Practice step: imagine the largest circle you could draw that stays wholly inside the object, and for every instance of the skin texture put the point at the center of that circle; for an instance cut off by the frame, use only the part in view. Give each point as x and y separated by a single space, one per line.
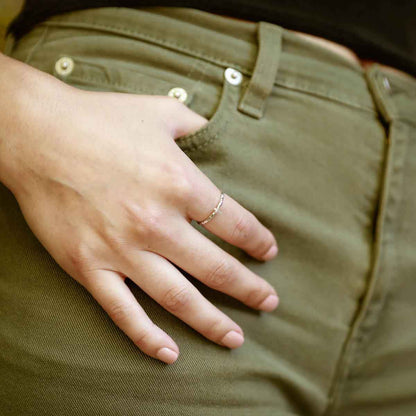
110 195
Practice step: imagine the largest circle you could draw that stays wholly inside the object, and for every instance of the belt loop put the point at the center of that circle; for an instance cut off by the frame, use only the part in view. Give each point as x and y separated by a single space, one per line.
260 85
380 88
394 93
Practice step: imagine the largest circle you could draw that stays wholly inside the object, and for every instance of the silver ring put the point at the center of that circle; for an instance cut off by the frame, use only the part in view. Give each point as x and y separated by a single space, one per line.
214 211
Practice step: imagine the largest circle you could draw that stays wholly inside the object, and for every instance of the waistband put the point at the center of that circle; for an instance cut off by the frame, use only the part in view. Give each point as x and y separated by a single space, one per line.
268 54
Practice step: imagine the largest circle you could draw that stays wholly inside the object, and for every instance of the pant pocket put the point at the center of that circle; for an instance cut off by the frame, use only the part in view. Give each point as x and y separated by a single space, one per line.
110 62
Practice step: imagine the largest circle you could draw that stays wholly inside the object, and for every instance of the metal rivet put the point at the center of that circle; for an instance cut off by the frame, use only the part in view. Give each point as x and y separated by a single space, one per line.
179 93
386 84
64 66
233 76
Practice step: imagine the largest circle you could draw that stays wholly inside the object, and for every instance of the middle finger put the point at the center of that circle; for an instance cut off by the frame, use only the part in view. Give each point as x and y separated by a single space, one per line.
206 261
172 290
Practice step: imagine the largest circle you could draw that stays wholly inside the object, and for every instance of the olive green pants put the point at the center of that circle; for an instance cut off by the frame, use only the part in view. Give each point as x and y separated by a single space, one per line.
321 151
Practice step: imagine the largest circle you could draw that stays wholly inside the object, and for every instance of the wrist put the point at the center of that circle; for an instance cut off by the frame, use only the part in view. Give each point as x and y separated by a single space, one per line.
28 99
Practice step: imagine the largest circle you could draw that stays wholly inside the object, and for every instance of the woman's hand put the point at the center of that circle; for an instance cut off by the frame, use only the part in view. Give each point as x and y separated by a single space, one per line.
107 191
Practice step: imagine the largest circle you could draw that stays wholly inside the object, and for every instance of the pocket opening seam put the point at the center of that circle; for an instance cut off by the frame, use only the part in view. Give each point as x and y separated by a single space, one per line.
188 142
217 123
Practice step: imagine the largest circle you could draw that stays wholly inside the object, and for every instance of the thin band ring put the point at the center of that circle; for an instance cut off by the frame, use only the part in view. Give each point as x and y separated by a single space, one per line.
214 211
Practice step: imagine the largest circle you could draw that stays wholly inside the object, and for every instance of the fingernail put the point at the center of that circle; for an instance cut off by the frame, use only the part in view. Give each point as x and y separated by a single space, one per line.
167 355
271 253
269 303
233 339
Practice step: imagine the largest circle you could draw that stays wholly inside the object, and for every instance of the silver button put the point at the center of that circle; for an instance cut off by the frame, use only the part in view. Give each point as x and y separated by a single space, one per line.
64 66
233 76
179 93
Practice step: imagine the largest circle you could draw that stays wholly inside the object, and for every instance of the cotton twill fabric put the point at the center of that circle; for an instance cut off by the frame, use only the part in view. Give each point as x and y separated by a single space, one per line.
327 162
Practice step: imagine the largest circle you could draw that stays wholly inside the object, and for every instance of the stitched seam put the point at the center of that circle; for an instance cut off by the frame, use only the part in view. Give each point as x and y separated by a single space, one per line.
339 98
174 45
187 141
198 84
379 246
36 46
393 201
195 53
220 129
399 189
220 125
99 83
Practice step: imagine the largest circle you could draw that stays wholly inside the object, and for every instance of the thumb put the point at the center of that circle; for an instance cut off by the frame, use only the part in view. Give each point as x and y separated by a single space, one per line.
185 121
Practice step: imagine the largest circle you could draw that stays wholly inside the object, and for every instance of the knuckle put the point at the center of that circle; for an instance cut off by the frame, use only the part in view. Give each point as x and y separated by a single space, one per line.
143 338
179 107
242 228
132 211
171 107
262 248
121 312
183 187
256 296
173 102
178 182
214 330
153 223
148 223
157 231
79 257
176 299
163 104
221 274
117 242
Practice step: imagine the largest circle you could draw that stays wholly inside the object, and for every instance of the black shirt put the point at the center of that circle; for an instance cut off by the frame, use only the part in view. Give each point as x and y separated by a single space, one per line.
381 30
